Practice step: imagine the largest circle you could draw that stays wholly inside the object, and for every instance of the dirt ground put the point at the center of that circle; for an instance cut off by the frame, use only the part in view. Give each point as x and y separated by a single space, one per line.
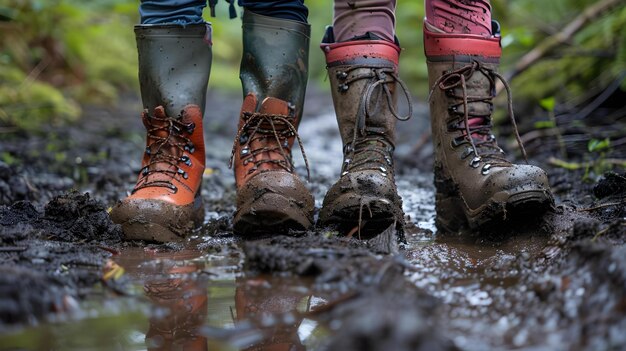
69 282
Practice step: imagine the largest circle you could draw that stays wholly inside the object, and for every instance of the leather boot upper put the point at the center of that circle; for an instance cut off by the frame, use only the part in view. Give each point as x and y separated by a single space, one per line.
165 203
469 165
364 85
274 72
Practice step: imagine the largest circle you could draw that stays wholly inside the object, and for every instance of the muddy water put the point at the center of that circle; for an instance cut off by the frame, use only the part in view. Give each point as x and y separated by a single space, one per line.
187 299
197 297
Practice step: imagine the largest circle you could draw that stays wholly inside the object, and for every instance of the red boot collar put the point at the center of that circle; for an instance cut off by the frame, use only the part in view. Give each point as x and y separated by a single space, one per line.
446 44
348 51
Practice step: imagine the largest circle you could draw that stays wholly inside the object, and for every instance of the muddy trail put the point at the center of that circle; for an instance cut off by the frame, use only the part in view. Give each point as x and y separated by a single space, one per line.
69 282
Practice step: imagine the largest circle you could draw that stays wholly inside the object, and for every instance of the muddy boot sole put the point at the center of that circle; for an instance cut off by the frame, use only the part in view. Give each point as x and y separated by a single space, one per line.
158 221
271 214
503 208
363 219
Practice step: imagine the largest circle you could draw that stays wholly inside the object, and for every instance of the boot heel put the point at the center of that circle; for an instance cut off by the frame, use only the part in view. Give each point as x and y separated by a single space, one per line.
450 215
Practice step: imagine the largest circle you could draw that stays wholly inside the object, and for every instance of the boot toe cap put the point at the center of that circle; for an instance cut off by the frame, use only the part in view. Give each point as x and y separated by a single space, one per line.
273 201
156 220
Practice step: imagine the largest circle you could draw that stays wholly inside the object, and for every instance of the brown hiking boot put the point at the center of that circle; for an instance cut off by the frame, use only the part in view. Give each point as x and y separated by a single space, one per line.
174 66
165 204
475 183
363 76
274 68
270 196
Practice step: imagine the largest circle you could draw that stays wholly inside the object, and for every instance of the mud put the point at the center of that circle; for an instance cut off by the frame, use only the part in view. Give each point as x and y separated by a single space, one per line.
67 281
51 258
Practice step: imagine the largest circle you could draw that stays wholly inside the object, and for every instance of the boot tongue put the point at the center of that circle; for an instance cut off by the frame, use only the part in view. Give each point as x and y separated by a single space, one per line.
477 121
158 120
159 126
274 106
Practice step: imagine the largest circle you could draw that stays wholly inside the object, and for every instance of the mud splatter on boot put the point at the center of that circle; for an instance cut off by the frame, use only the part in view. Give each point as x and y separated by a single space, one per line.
174 68
364 77
271 198
165 204
476 184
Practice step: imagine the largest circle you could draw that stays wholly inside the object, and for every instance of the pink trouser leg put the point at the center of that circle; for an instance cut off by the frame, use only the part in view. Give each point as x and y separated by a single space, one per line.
459 16
355 18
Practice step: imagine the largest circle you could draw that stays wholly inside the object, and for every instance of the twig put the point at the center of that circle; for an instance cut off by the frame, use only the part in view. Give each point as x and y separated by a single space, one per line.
580 165
421 141
13 249
563 36
600 233
608 204
109 249
600 99
331 304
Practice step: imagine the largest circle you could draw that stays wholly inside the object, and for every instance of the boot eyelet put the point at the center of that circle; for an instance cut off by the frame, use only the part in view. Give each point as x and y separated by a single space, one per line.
286 144
183 173
344 173
475 162
245 151
144 171
452 126
389 160
343 88
185 159
148 150
174 188
191 127
468 151
243 138
190 147
382 169
485 169
342 75
458 141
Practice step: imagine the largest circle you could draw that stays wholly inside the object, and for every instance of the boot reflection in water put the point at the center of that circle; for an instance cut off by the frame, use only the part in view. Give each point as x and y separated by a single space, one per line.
185 301
476 184
255 303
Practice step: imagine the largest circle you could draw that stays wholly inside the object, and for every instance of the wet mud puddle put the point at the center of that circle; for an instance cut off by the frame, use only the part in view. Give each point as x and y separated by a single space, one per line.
184 299
198 298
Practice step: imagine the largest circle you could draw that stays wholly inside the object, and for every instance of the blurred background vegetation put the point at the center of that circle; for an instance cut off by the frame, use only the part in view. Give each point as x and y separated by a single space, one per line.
58 55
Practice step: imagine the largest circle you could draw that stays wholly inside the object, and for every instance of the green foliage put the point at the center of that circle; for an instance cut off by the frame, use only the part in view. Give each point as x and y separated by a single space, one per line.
594 56
27 103
597 153
59 53
548 103
56 54
596 145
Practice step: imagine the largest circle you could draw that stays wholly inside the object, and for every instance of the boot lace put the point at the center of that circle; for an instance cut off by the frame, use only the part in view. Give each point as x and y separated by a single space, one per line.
482 142
255 129
164 153
370 149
